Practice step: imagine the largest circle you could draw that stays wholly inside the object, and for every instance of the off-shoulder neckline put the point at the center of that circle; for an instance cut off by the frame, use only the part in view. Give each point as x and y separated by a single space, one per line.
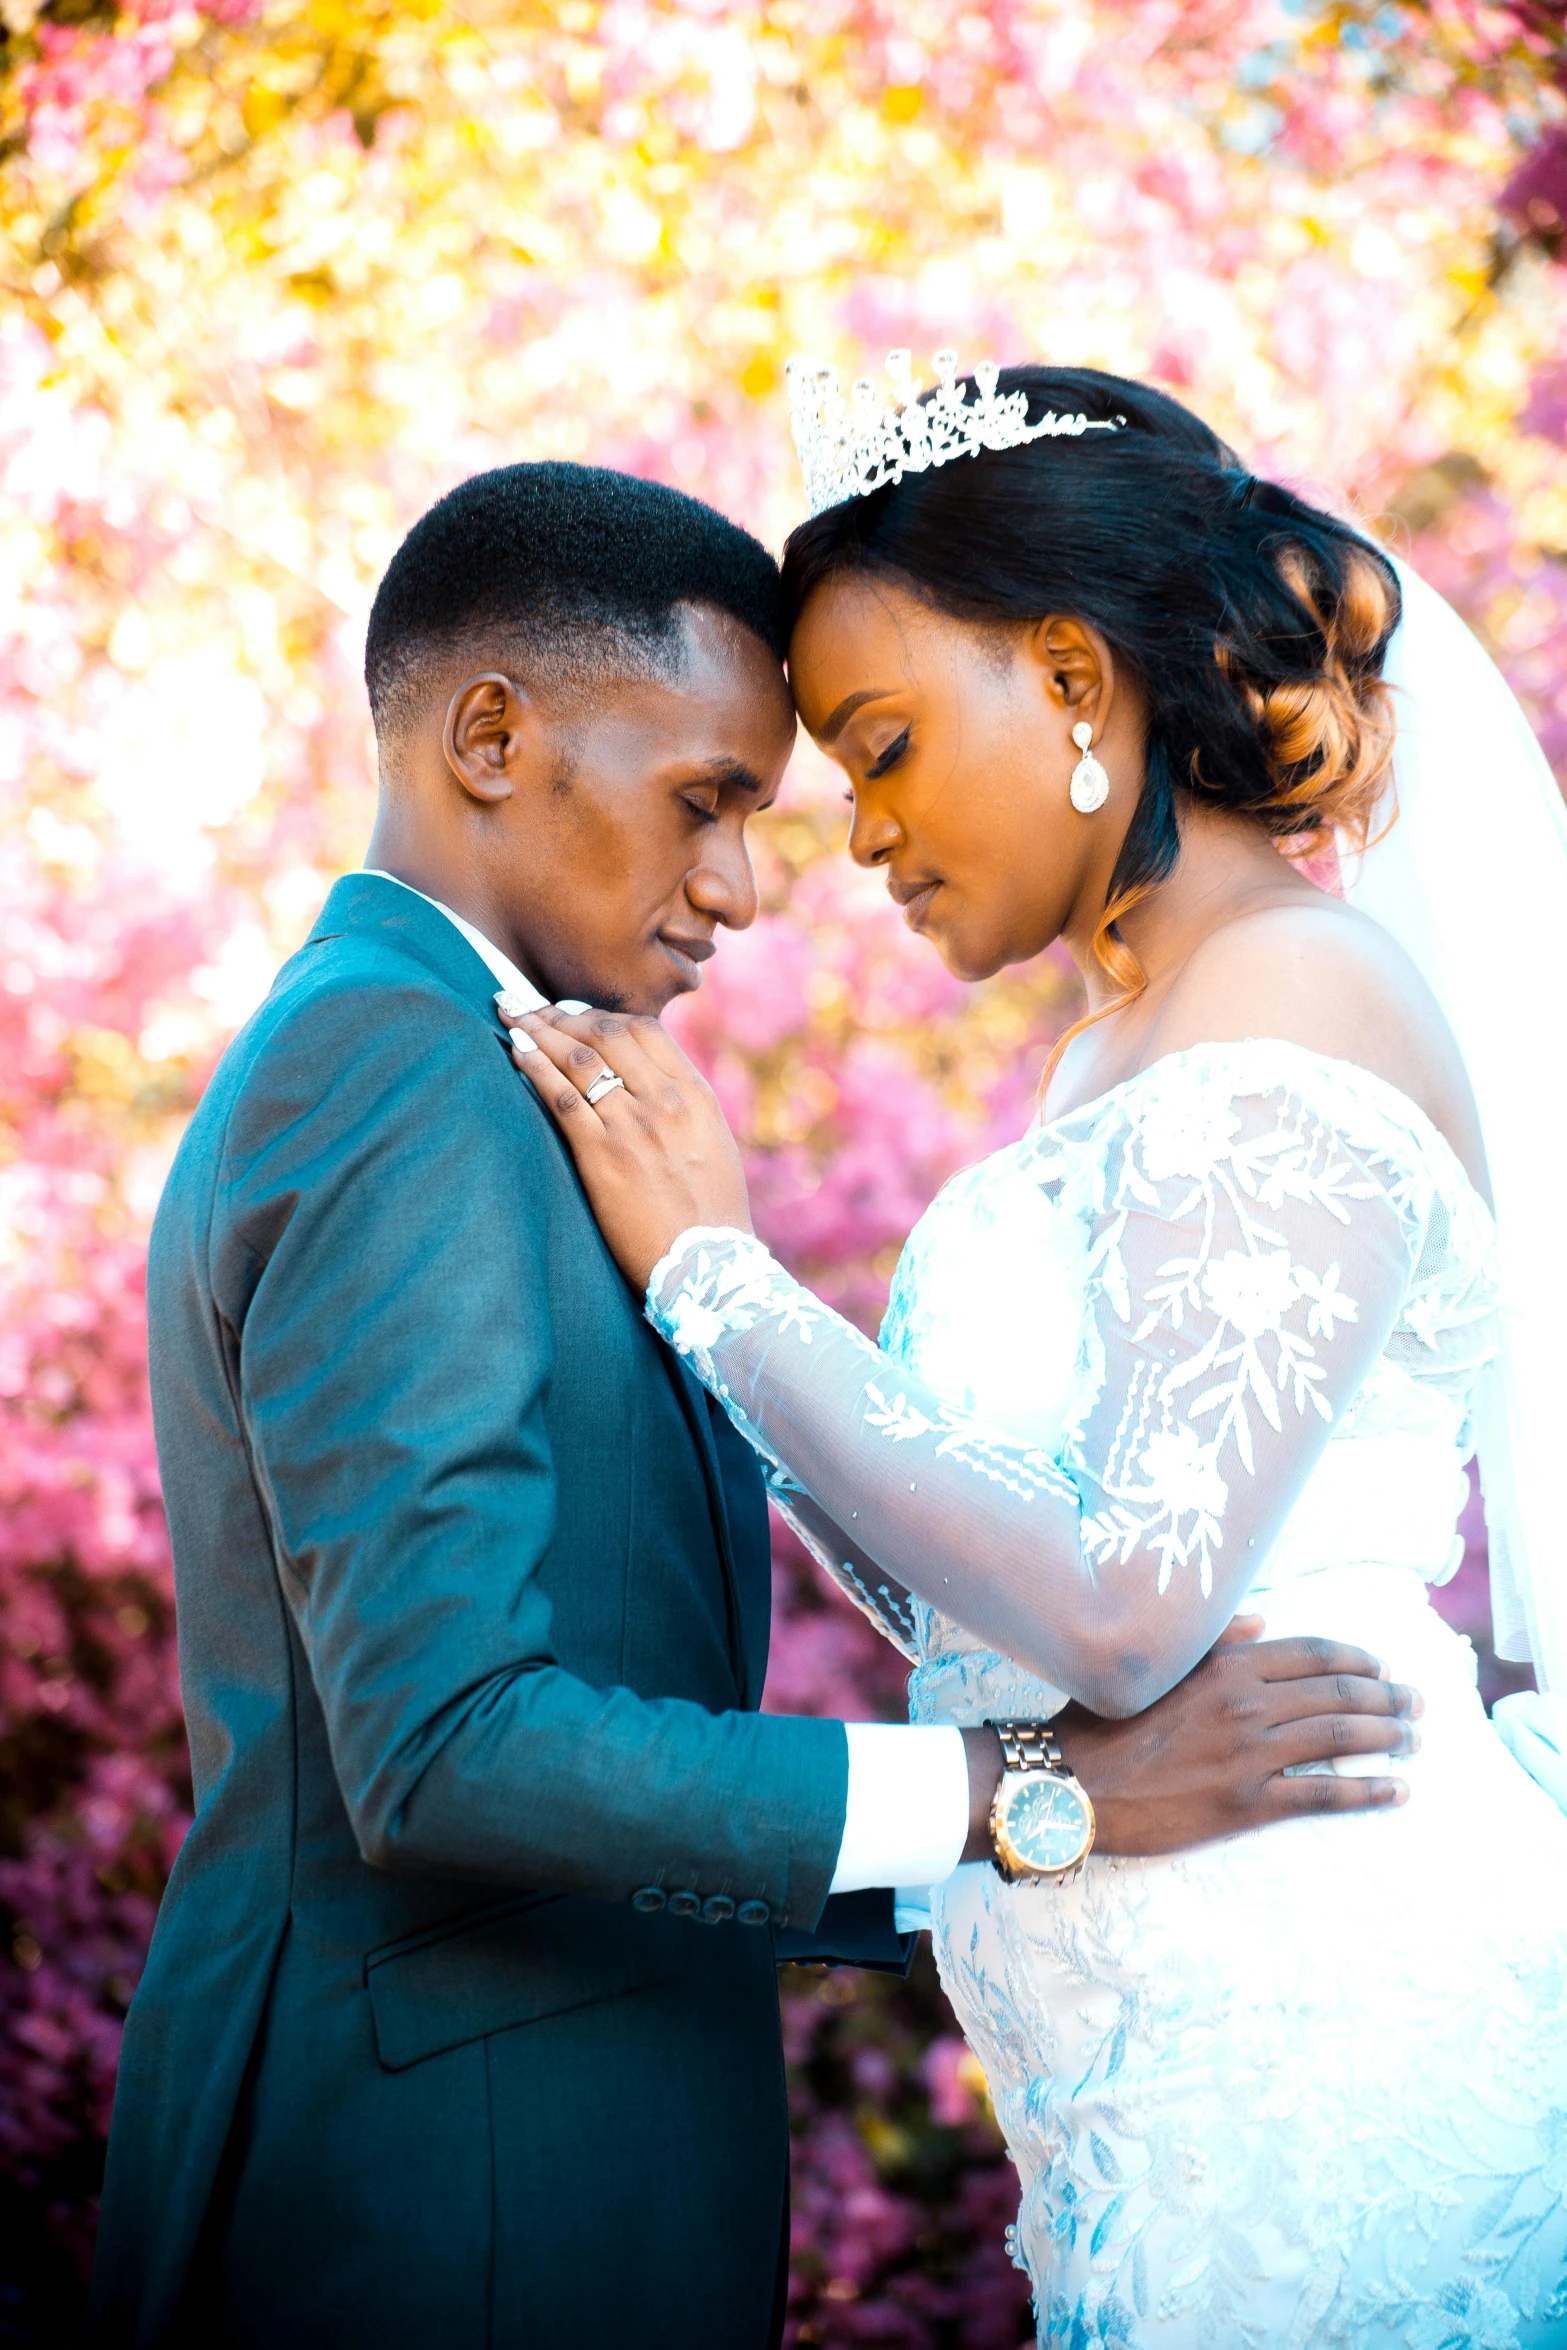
1410 1114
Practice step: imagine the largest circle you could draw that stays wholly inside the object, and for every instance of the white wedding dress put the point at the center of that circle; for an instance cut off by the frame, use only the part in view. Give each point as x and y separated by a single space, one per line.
1213 1339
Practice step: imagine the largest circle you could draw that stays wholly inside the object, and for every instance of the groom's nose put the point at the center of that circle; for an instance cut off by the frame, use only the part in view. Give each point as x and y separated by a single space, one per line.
723 885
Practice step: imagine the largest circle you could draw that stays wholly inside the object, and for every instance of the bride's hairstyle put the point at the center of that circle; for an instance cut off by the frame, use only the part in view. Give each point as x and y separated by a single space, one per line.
1254 623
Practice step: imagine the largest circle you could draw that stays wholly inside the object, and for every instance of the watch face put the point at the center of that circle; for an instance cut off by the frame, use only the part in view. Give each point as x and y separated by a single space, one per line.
1046 1821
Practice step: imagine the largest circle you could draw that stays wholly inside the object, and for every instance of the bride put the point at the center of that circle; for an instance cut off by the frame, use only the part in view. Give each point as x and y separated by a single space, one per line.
1221 1329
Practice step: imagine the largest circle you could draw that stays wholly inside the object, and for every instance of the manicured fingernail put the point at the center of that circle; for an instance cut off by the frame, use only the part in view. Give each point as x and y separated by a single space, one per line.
522 1042
1417 1704
1383 1674
509 1006
569 1003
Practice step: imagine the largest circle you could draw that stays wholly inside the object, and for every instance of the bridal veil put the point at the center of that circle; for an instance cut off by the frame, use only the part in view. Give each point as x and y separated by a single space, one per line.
1471 879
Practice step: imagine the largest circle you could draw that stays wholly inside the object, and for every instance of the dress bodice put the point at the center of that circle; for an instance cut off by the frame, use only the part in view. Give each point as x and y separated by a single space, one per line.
1218 1328
991 1309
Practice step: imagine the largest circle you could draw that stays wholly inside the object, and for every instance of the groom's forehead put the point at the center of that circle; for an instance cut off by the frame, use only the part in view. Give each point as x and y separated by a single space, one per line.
719 683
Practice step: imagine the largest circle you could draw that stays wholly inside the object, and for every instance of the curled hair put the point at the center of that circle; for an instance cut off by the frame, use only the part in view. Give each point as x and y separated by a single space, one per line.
1255 624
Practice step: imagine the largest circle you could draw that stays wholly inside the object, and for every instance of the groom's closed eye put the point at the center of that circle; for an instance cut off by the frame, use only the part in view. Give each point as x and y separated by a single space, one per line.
705 798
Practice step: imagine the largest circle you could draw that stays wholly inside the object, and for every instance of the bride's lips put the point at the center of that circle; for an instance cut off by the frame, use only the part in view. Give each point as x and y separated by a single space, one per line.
688 955
914 898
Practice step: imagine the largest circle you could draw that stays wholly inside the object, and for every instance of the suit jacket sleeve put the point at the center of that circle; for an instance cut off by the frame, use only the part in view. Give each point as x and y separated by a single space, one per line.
854 1929
381 1277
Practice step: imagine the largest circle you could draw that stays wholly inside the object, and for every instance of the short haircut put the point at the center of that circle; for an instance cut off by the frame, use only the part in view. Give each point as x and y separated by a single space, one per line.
570 573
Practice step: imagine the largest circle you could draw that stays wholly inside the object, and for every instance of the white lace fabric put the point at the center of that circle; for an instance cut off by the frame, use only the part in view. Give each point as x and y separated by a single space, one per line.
1216 1338
1250 1243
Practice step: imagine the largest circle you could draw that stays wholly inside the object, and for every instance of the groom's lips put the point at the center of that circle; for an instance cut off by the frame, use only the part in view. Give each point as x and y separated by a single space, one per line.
688 954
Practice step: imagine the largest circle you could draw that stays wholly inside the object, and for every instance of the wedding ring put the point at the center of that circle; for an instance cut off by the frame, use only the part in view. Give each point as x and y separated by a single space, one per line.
605 1082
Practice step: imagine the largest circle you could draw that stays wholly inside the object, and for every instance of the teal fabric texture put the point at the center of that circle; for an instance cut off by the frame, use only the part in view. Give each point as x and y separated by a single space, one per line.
459 2023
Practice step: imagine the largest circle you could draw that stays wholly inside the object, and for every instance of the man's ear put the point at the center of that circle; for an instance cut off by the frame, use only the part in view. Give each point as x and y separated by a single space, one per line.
1078 667
488 722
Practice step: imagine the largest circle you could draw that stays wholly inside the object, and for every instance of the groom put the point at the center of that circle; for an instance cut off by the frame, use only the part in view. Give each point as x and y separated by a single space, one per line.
459 2026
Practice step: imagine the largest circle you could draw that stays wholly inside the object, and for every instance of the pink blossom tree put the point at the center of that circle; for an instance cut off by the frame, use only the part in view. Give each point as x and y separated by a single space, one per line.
277 278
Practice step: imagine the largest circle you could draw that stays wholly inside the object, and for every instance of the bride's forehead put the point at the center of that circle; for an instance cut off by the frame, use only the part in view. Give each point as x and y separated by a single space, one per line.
860 637
859 622
865 602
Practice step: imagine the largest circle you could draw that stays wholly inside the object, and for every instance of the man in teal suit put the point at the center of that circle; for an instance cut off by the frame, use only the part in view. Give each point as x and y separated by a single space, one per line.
460 2027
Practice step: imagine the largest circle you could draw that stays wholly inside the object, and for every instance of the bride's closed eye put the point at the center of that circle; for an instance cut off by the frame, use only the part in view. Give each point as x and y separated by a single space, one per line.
889 757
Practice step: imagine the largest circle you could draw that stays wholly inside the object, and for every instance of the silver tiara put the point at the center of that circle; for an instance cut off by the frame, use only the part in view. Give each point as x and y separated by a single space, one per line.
848 451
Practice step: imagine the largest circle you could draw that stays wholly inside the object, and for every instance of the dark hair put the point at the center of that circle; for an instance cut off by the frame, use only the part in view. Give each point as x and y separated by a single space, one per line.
575 568
1254 623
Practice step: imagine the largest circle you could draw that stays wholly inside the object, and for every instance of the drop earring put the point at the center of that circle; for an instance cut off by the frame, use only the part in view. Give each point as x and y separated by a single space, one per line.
1090 784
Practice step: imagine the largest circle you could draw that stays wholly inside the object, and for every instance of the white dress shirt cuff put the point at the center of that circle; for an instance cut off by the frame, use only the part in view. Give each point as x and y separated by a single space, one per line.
908 1809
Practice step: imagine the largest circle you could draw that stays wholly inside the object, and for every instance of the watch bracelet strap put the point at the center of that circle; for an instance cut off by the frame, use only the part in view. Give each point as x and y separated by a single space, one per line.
1029 1746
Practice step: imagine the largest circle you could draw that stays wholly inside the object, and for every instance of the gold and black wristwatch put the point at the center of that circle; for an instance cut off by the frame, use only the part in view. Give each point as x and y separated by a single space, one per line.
1041 1821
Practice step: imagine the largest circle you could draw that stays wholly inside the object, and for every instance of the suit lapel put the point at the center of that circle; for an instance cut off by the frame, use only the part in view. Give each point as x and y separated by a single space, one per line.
692 1397
412 925
366 901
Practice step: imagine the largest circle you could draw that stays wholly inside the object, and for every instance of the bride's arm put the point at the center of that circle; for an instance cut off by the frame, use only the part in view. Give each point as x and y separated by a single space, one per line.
1248 1262
1224 1340
870 1588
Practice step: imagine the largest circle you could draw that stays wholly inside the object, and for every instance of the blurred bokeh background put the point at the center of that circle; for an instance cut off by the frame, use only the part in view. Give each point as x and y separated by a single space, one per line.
276 275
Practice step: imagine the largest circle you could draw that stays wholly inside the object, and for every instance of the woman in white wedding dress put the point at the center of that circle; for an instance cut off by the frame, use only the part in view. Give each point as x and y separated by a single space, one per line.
1221 1329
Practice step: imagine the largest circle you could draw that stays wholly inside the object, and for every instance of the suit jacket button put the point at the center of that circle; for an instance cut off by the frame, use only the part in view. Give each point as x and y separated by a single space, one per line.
650 1898
753 1913
717 1910
685 1905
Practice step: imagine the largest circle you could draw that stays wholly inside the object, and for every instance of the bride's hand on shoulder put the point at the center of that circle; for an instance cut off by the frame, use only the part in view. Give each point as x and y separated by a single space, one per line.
654 1151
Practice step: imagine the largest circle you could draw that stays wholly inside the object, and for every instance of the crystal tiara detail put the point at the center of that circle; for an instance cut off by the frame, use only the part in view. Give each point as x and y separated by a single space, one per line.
848 451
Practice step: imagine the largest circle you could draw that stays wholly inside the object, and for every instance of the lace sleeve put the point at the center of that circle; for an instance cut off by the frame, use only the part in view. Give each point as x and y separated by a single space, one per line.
857 1575
1248 1259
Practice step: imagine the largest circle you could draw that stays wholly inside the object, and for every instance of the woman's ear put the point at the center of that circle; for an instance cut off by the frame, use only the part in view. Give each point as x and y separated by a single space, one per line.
486 722
1076 667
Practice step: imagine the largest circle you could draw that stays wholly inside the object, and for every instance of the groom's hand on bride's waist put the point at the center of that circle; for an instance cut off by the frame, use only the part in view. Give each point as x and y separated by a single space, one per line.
1210 1757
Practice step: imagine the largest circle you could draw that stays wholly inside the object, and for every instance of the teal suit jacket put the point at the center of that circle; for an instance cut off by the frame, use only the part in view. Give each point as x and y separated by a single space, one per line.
459 2025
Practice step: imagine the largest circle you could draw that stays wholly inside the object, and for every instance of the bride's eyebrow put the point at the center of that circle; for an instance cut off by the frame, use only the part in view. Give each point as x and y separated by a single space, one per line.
847 707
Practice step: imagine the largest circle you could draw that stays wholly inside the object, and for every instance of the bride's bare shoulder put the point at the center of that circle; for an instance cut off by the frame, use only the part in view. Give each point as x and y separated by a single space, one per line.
1314 972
